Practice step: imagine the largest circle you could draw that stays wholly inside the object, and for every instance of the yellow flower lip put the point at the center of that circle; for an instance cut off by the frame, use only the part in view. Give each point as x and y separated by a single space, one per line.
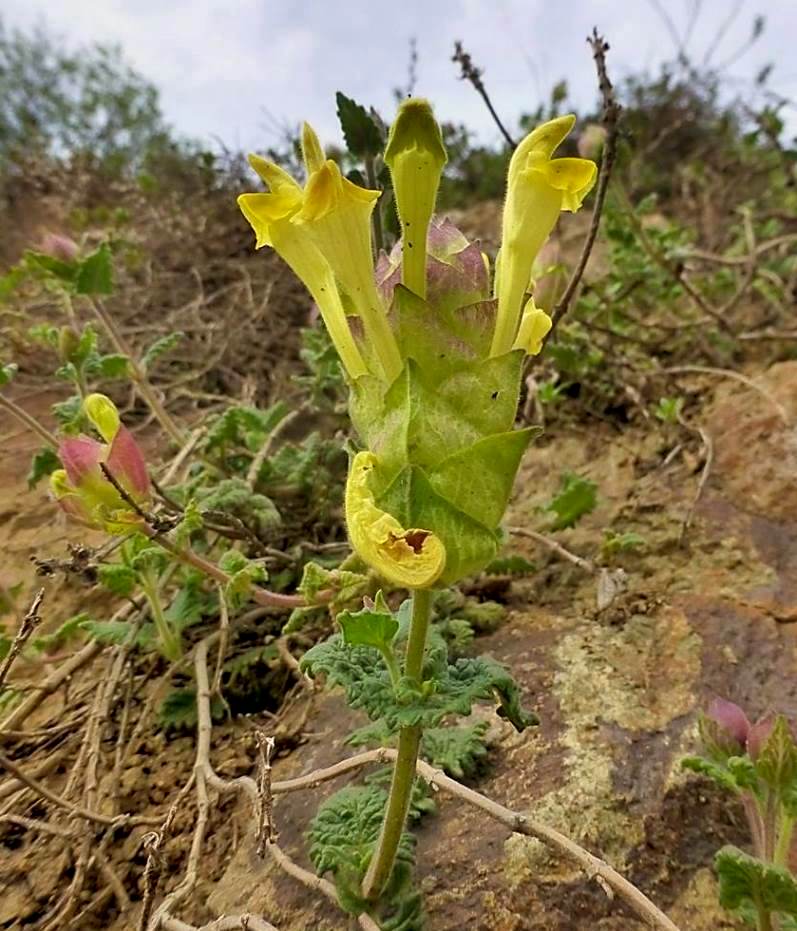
328 190
413 558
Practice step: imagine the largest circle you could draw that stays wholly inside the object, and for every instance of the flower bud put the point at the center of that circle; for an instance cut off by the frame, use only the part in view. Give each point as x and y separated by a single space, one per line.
59 247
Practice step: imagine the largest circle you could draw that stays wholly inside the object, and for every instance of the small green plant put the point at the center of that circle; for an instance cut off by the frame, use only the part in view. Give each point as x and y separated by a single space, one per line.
668 410
757 762
434 390
577 496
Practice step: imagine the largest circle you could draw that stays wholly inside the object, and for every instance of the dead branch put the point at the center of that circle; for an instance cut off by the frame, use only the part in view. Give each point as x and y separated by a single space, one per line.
30 622
552 544
95 816
226 923
708 460
610 119
736 376
593 866
469 72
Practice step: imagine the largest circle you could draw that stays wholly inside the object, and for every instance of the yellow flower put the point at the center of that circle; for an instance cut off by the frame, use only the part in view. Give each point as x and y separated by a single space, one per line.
323 232
408 558
416 156
538 188
271 218
534 327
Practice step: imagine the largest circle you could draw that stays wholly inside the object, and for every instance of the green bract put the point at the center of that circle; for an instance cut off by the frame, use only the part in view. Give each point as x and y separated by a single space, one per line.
433 349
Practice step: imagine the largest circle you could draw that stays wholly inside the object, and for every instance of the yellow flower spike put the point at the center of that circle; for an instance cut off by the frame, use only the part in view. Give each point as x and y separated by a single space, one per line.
534 327
408 558
270 217
104 416
416 156
538 189
337 216
312 150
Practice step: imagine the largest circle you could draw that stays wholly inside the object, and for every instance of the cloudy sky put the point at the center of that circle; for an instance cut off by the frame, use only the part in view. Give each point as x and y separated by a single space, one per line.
232 69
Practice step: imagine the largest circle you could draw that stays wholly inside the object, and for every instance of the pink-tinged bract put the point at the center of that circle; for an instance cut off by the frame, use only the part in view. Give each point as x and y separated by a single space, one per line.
731 719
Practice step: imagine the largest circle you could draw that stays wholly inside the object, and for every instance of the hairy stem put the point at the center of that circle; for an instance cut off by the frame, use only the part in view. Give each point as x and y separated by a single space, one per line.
138 374
168 637
409 742
191 558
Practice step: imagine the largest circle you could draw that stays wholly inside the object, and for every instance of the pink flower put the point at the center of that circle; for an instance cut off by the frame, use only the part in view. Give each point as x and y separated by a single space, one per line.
59 247
83 490
732 732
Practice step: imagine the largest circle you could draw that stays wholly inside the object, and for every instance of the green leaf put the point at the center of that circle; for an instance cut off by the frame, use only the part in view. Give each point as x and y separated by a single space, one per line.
361 132
115 632
43 463
342 838
189 604
7 372
495 460
117 578
745 880
514 564
244 575
178 709
70 627
65 272
69 414
95 273
113 365
160 347
371 627
234 496
45 333
576 497
85 347
777 761
457 750
715 772
621 542
453 688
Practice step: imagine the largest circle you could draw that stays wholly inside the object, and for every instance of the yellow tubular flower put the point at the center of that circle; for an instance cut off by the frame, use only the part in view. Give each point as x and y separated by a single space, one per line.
416 156
538 188
337 216
409 558
271 218
534 327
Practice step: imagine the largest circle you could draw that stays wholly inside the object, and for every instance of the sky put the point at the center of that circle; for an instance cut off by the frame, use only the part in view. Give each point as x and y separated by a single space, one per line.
237 70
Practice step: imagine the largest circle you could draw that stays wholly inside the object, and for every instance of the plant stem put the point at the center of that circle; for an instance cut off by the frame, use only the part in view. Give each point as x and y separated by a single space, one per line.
409 742
783 846
138 374
191 558
30 422
169 639
764 922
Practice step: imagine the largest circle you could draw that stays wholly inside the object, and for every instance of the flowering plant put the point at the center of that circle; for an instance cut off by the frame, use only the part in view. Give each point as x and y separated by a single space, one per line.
432 347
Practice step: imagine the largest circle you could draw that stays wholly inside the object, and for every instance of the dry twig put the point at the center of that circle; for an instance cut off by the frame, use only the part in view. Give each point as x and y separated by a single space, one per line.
593 866
30 622
610 118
